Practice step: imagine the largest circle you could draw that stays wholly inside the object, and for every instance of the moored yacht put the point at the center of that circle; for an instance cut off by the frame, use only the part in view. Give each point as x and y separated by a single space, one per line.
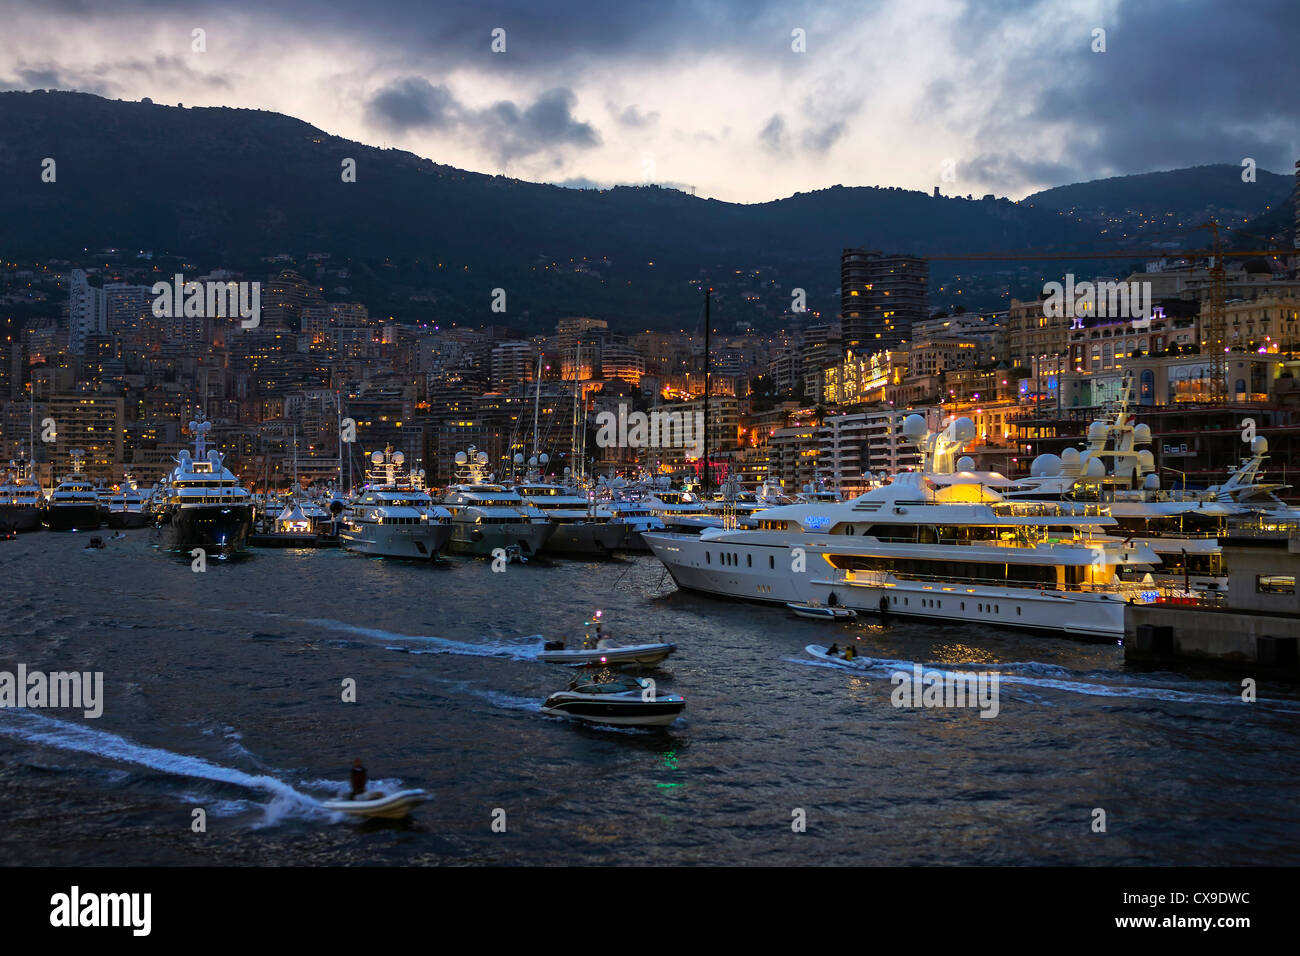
20 500
912 548
393 515
631 518
680 511
580 529
73 505
202 504
125 507
486 516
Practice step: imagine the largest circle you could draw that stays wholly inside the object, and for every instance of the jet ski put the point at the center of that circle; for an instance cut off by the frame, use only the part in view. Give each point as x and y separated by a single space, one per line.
621 702
375 803
605 653
822 612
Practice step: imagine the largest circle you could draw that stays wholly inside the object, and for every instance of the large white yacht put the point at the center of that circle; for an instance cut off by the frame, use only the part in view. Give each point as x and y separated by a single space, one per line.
913 548
20 500
125 506
680 511
631 517
393 515
73 505
201 504
580 528
486 516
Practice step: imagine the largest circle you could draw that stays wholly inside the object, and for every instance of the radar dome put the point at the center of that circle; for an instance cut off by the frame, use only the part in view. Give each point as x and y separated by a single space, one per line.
1151 482
1096 468
461 458
965 463
377 457
1142 434
1097 431
194 426
543 458
1070 457
1259 446
1146 460
1045 466
482 458
519 458
398 457
963 430
914 426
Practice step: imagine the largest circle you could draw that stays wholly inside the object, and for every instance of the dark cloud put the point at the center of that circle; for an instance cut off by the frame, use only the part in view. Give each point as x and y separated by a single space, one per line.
774 137
821 140
505 129
632 116
412 103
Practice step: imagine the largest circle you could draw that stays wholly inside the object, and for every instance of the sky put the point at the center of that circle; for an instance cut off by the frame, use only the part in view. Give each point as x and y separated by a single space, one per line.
741 100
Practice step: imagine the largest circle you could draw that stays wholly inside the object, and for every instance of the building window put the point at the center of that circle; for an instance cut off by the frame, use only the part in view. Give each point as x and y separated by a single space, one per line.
1275 584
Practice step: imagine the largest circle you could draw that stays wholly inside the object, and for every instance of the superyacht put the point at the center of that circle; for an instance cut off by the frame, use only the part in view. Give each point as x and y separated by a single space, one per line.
486 516
73 505
393 516
20 500
201 504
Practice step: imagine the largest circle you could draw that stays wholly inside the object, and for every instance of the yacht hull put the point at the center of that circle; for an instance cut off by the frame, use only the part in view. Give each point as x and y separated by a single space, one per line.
20 518
764 573
482 540
416 542
584 539
128 520
223 528
72 517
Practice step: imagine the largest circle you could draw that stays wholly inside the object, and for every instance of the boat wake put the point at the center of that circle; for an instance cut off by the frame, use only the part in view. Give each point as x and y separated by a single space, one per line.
440 645
287 802
1032 674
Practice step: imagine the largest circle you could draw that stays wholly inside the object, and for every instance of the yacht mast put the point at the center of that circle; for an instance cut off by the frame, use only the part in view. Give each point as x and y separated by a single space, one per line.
537 400
708 294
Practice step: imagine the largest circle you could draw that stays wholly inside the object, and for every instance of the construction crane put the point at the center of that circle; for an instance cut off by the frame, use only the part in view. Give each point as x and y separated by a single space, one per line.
1213 318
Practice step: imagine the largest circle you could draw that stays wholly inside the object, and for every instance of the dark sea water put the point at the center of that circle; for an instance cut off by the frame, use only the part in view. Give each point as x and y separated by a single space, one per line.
223 692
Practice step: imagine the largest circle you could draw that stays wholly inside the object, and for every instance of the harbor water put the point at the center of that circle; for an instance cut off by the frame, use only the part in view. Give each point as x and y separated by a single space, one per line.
225 691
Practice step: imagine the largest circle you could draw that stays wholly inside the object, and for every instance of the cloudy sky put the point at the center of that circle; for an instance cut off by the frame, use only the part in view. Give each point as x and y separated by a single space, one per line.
1008 96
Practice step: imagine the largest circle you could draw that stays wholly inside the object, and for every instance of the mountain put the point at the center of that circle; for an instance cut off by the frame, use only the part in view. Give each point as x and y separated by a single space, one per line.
1180 193
221 186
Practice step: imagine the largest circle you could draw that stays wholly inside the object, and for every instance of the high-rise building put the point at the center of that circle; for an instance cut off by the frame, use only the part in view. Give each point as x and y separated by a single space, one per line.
880 297
87 314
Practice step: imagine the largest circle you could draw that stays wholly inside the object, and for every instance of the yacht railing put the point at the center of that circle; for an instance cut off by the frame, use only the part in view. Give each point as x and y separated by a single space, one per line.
880 578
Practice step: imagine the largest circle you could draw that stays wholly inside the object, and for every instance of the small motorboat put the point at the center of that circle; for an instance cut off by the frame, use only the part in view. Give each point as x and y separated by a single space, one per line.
621 702
605 653
824 654
375 803
822 612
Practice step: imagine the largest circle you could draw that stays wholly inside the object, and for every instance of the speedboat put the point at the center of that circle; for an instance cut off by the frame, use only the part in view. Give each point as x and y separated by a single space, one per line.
375 803
596 649
605 653
621 702
822 612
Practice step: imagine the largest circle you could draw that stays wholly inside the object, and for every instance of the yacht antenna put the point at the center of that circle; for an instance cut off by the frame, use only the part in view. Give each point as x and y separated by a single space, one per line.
708 295
537 400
